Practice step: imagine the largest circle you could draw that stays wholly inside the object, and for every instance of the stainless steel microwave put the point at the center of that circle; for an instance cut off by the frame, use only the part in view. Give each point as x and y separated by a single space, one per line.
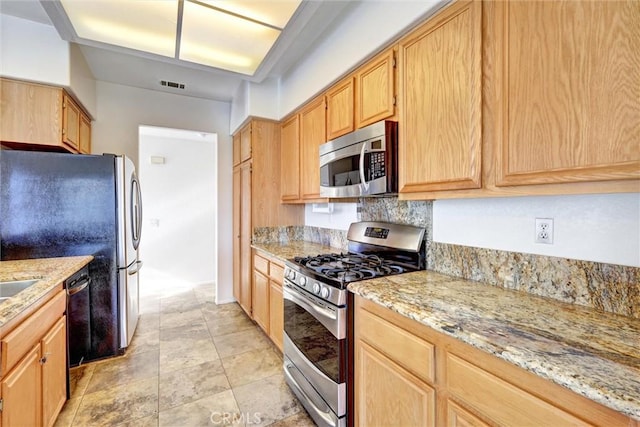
361 163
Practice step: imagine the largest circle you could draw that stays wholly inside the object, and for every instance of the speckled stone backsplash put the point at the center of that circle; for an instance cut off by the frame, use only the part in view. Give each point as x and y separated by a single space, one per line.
323 236
390 209
605 287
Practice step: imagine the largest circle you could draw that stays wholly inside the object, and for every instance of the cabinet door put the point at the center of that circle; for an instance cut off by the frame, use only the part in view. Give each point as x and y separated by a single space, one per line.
459 417
440 136
30 113
386 394
22 391
340 100
54 372
312 134
260 297
245 143
276 313
85 134
290 160
245 237
236 149
570 94
375 90
236 233
70 122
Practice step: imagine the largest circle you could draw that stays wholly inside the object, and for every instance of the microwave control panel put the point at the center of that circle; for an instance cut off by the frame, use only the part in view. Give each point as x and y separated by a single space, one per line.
376 165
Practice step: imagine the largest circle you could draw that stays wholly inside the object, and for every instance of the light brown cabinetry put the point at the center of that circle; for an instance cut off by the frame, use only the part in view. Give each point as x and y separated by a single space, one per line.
570 91
340 106
290 160
268 310
312 135
440 132
34 364
433 379
256 199
375 89
44 117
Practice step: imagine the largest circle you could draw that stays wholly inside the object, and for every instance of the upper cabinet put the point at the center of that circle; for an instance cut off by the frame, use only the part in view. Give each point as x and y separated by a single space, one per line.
340 118
290 160
440 118
375 89
45 117
568 79
312 135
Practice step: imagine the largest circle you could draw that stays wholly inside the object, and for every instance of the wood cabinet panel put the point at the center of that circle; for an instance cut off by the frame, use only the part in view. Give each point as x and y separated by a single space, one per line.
290 160
481 390
375 90
459 417
246 145
276 313
261 264
246 230
237 200
340 106
312 134
397 344
22 391
54 372
236 149
260 304
387 394
85 135
70 122
570 91
30 113
440 136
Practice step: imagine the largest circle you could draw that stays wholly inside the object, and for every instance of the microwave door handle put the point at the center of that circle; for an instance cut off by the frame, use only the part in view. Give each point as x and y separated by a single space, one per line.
363 179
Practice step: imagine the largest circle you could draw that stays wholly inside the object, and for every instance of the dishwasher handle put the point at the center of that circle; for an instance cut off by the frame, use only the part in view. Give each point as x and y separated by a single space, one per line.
78 286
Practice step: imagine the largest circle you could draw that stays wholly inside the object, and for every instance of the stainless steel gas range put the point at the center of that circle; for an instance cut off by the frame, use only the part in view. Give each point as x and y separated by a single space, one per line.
318 320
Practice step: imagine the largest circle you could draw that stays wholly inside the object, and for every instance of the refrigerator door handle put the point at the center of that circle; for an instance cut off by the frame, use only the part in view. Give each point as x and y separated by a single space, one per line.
137 265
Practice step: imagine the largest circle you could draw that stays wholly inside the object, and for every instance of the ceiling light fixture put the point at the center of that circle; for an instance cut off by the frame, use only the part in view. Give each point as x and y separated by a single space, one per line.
234 35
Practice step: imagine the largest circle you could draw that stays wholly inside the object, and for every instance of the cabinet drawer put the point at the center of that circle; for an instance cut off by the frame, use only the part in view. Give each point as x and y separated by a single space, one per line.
482 391
410 351
261 264
276 272
16 343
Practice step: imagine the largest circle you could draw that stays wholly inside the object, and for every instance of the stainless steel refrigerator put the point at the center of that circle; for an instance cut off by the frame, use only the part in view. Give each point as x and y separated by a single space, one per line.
58 204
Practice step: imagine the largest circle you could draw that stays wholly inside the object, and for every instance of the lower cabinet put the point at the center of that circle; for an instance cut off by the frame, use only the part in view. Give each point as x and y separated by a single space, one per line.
34 367
409 374
267 303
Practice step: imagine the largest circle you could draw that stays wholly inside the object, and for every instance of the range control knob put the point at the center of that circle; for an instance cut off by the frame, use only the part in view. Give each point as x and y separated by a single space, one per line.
325 292
291 275
316 288
303 281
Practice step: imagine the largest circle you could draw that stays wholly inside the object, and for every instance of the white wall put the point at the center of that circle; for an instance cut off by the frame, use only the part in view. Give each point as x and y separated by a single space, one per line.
33 51
601 228
81 80
342 216
368 26
180 201
121 109
257 100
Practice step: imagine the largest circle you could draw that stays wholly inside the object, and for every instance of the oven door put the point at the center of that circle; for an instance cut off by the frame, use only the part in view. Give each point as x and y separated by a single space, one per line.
315 354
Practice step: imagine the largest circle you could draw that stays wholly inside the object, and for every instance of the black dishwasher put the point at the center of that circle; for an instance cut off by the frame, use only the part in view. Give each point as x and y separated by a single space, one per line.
78 316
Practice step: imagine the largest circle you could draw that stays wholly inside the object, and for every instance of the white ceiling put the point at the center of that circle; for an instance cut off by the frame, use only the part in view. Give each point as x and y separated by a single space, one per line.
133 68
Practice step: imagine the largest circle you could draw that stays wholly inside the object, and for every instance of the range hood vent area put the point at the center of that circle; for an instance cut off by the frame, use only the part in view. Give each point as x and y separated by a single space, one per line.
172 84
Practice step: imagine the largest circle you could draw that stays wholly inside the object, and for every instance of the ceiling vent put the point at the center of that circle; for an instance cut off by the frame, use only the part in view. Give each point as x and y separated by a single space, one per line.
172 84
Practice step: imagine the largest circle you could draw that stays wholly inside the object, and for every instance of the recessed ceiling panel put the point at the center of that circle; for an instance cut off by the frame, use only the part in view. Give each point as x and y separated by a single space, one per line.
276 13
222 40
146 25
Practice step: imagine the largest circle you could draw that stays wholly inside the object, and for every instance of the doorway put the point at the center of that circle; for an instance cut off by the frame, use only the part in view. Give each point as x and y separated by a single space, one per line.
178 179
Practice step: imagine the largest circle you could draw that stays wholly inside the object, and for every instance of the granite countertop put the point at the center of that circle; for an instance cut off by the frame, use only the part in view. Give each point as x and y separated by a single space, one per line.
592 353
294 248
50 272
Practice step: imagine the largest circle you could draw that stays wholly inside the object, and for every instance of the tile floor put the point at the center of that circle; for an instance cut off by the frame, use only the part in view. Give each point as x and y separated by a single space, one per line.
191 363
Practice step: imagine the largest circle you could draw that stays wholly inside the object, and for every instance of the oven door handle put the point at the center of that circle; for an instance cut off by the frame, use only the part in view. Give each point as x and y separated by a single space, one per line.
363 179
330 319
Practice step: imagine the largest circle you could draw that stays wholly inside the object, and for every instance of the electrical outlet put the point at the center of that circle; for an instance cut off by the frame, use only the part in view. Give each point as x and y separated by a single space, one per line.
544 230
